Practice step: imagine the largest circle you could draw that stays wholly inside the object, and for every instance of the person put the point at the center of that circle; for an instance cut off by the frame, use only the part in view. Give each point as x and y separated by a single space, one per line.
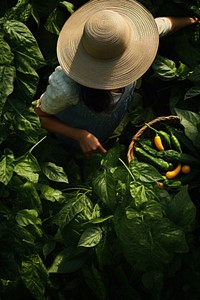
102 49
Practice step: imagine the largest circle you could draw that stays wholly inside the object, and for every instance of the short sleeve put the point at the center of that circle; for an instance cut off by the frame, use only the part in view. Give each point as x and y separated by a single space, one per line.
164 25
61 93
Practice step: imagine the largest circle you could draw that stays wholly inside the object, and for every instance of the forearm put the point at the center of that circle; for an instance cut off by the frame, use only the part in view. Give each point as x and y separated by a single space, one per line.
178 23
87 141
52 124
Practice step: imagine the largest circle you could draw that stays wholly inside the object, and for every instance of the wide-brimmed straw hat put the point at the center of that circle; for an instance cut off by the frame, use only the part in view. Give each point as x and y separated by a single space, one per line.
108 44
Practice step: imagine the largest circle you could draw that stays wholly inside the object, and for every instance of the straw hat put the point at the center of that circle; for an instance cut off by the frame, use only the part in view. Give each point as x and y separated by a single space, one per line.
108 44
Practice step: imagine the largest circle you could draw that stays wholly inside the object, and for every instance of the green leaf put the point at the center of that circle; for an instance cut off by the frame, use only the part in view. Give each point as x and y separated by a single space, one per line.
75 205
54 172
28 197
27 83
100 220
90 237
148 243
21 11
105 187
151 209
23 44
43 9
51 194
34 275
191 124
181 210
138 193
24 120
27 166
68 260
192 92
7 76
69 6
6 56
96 281
111 159
195 75
164 67
6 166
27 217
147 173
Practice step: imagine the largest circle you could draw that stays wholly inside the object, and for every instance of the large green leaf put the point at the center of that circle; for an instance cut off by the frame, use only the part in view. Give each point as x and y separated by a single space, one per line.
28 197
149 243
7 76
51 194
23 43
68 260
27 166
24 120
181 210
6 166
191 124
21 11
34 275
26 84
192 92
54 172
105 187
27 217
6 55
43 9
74 206
164 67
91 237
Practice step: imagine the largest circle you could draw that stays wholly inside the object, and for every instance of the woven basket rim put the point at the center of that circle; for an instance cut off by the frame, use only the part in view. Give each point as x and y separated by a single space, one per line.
130 153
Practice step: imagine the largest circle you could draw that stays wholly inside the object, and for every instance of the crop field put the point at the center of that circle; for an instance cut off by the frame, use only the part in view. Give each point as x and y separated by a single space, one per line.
103 227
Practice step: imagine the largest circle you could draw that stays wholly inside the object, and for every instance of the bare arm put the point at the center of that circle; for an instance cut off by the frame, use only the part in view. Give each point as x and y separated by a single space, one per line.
87 141
181 22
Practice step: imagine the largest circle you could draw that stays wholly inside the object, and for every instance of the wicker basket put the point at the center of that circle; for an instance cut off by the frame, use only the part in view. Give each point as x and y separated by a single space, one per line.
145 131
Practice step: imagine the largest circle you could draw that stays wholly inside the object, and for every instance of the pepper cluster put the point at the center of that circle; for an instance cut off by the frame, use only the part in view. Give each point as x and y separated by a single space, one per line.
165 152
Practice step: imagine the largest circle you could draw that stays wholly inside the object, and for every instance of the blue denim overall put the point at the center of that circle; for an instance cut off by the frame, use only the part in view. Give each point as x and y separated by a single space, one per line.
101 124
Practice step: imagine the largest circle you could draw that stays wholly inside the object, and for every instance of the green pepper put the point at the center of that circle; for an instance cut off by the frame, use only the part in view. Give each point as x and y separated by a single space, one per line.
154 153
175 156
158 163
172 183
163 135
185 142
175 143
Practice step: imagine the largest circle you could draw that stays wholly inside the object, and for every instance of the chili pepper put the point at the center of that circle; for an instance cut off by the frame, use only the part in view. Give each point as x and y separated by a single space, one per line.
163 135
173 173
158 143
175 143
154 161
172 183
175 156
154 153
185 142
148 149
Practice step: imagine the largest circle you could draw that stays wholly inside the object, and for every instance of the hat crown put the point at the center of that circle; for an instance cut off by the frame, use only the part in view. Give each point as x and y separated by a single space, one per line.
105 35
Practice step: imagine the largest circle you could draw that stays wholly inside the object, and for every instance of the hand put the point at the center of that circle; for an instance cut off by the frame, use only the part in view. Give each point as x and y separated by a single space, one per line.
89 143
194 20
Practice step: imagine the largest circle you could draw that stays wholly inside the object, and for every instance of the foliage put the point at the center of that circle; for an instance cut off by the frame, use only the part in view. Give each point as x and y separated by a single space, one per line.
95 228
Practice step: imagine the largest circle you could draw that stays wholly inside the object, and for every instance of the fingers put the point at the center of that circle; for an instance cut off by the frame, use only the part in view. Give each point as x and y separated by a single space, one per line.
101 149
195 20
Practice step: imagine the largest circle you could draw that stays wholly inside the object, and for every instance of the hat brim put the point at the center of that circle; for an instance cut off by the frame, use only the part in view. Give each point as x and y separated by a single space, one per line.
113 73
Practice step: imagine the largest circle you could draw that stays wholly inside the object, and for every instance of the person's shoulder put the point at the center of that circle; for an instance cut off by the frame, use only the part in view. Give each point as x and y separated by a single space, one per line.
63 82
